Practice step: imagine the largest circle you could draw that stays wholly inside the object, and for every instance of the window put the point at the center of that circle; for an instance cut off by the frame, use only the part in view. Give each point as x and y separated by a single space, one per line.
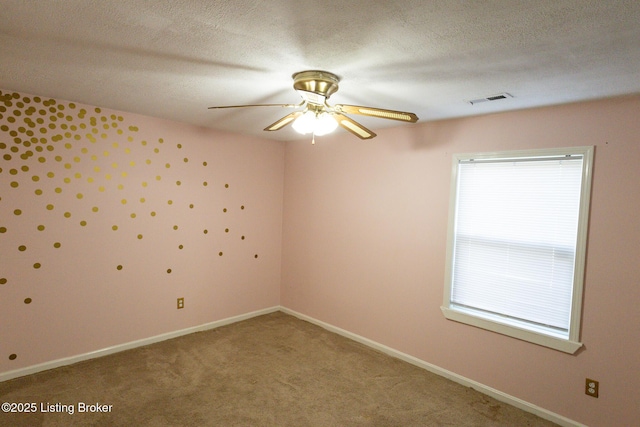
517 241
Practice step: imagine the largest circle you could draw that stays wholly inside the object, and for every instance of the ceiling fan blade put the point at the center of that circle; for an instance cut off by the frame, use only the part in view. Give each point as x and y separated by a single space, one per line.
354 127
377 112
284 121
258 105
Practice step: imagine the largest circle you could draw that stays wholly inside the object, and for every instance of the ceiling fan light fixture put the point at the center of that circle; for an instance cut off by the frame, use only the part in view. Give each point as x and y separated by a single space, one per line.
316 123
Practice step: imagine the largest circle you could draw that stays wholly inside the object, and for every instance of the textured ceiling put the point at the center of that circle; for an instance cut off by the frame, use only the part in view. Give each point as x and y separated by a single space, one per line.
173 59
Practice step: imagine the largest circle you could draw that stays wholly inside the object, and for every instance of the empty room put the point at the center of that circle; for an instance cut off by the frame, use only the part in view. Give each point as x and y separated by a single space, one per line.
303 213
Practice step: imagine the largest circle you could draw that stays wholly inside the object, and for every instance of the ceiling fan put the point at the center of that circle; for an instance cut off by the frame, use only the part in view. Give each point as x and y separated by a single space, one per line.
317 116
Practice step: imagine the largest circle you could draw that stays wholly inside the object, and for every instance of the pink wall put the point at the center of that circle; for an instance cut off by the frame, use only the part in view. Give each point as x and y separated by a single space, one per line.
75 172
364 244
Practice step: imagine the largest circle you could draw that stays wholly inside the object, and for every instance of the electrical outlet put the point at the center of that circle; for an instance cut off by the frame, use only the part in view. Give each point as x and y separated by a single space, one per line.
591 387
180 303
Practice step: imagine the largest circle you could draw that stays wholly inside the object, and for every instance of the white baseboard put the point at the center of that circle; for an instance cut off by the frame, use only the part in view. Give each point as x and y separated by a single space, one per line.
496 394
133 344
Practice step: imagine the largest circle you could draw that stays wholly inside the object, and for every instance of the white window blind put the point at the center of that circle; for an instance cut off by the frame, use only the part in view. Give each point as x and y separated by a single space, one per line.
514 240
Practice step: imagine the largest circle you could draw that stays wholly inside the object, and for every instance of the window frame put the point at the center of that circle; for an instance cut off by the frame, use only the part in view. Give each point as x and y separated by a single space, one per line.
572 343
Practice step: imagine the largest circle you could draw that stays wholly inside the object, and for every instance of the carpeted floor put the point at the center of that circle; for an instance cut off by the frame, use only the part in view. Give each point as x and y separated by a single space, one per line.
272 370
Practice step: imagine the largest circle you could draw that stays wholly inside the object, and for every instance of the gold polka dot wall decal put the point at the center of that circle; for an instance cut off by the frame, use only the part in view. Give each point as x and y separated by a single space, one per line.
133 215
148 161
180 246
142 200
22 248
49 207
224 209
3 229
139 236
3 281
242 238
17 212
205 183
120 187
177 183
114 228
101 189
57 245
90 180
58 190
27 300
123 201
205 231
67 180
94 209
37 265
175 227
156 150
79 196
168 271
191 206
186 160
167 165
158 177
67 214
13 356
14 184
153 214
242 207
219 253
83 223
119 267
204 163
226 186
144 184
143 142
50 174
255 256
160 140
226 230
107 177
169 202
41 227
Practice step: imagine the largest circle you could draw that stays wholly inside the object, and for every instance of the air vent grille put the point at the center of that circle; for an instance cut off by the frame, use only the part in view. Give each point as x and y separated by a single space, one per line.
496 97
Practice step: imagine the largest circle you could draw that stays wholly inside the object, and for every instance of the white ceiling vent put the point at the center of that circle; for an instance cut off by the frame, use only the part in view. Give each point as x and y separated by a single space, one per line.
497 97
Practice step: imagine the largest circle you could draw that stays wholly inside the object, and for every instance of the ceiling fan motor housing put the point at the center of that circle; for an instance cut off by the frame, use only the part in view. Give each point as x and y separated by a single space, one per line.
321 83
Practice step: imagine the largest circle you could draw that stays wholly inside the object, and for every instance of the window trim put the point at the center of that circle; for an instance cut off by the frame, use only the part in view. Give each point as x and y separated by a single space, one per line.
572 344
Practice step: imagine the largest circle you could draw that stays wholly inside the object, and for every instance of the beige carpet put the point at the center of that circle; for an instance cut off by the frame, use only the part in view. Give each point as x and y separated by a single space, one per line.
272 370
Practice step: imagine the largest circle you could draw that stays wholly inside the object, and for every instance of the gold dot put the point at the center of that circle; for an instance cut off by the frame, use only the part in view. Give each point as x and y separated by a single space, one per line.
67 180
242 207
37 265
58 190
224 209
90 180
153 214
142 200
56 245
177 183
155 150
255 256
114 228
22 248
170 202
242 237
120 187
205 231
158 178
38 192
119 267
226 186
191 206
180 246
186 160
144 184
14 184
168 165
205 183
50 174
83 223
41 228
133 215
175 227
219 253
179 145
95 209
3 281
79 196
101 188
13 356
49 207
123 201
168 271
17 212
3 229
139 236
67 214
27 300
